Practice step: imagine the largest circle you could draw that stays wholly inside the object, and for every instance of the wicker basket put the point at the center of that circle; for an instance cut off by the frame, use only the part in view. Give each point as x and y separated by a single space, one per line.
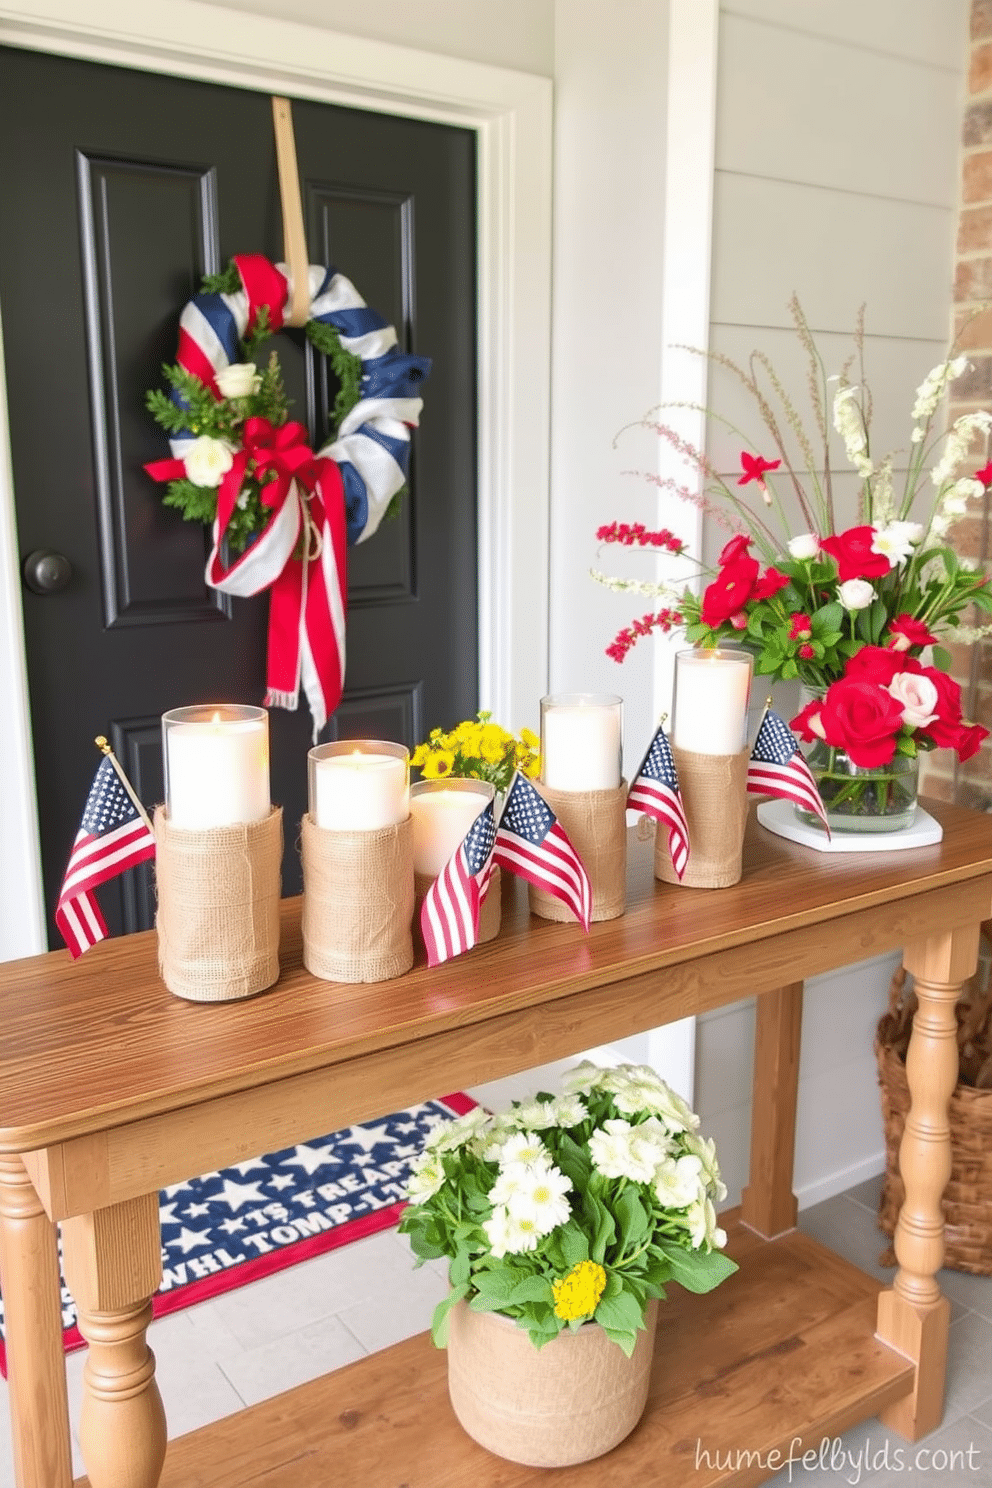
967 1200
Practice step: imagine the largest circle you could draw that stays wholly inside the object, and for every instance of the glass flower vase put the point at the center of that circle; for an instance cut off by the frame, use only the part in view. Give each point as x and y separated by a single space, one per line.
859 798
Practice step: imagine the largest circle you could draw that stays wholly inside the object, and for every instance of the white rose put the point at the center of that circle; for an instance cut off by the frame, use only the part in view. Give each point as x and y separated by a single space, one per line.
807 545
917 696
207 460
239 380
855 594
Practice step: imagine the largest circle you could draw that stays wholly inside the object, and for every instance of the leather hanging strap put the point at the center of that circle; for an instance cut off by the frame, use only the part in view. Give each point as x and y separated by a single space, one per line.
294 237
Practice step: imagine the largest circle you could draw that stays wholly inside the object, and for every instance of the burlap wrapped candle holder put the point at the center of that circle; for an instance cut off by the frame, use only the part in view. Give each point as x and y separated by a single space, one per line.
490 910
595 822
218 907
357 902
714 794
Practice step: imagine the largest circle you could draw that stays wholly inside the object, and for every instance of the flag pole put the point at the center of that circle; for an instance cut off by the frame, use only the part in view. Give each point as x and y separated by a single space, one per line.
105 748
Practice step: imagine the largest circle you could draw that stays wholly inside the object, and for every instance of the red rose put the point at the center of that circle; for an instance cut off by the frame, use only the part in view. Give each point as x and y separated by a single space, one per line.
862 719
801 628
736 548
946 727
729 591
770 583
905 632
807 722
853 554
880 664
969 740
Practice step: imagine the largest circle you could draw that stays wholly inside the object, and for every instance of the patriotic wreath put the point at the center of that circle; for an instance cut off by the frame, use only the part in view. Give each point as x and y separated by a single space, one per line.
239 464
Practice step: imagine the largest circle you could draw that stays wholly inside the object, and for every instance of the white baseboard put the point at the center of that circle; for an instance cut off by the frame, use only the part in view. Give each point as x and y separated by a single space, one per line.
841 1181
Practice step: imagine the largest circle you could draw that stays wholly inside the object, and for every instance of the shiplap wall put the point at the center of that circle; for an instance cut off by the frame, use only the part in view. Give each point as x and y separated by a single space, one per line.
838 129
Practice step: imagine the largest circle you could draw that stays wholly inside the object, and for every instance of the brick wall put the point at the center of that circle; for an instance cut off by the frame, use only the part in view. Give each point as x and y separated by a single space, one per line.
971 783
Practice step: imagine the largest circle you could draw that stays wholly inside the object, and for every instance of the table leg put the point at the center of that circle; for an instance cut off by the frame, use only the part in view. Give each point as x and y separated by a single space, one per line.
29 1275
913 1316
113 1265
768 1204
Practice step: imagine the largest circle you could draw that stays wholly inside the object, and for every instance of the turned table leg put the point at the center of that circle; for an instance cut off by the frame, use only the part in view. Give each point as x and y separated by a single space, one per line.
913 1316
113 1266
768 1204
29 1276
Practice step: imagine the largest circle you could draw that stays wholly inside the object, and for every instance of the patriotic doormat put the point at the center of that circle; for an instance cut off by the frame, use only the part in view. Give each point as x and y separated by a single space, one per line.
260 1216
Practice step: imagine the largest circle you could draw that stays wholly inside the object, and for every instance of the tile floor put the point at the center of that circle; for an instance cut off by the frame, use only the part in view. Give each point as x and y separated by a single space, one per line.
257 1341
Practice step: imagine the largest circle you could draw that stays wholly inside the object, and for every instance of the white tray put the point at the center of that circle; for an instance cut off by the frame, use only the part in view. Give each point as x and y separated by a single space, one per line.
780 817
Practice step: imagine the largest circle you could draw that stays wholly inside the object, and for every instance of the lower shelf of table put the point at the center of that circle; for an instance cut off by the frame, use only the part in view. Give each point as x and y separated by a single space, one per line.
783 1350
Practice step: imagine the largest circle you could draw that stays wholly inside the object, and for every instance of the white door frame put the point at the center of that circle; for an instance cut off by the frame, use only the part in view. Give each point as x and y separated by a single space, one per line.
511 114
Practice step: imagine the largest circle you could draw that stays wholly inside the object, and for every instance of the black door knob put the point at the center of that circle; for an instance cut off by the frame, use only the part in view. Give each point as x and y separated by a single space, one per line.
46 572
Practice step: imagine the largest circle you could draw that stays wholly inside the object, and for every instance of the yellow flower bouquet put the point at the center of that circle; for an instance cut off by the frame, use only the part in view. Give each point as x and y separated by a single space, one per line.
478 749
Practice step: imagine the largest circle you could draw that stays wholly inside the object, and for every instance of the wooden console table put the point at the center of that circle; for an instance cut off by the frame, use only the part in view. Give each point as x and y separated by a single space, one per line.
110 1089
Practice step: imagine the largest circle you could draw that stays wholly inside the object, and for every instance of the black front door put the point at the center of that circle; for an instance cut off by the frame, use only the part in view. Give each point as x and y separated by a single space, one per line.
118 191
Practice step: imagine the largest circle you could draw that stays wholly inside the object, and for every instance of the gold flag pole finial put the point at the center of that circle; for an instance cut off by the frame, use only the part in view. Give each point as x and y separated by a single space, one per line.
102 745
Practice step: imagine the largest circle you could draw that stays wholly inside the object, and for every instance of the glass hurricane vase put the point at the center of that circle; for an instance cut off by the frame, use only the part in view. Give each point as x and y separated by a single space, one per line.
859 798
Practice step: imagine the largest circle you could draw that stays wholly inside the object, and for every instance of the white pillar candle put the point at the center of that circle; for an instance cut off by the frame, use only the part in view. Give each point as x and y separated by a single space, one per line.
441 818
217 766
581 742
712 689
358 787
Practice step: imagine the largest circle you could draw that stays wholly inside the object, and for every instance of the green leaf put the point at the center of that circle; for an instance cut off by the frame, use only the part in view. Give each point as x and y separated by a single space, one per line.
573 1243
941 659
698 1270
531 1289
460 1267
623 1312
634 1218
228 281
624 1340
574 1161
439 1322
829 618
347 368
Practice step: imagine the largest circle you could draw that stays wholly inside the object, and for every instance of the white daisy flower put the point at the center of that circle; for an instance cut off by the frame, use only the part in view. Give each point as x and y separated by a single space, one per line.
541 1198
583 1078
426 1178
705 1149
678 1182
703 1228
523 1147
535 1115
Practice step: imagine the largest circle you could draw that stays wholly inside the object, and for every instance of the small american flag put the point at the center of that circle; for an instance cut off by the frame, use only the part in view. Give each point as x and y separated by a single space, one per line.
655 791
113 835
449 916
777 767
531 842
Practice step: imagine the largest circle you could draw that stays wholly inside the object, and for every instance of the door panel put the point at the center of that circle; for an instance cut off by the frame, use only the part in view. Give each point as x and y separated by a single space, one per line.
118 190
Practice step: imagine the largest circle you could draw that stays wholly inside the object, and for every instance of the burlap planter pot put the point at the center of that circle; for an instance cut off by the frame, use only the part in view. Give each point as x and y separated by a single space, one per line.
714 795
490 910
569 1402
596 825
218 908
357 902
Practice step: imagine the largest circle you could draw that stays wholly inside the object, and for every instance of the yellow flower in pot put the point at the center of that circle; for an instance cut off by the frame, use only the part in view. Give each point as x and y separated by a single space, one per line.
562 1220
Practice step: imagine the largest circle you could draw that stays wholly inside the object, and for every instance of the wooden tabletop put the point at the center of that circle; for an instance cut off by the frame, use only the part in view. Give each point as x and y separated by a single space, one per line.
88 1044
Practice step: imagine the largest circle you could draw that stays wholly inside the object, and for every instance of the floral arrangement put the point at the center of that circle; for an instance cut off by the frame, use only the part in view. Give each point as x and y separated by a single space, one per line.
481 750
251 415
849 612
571 1208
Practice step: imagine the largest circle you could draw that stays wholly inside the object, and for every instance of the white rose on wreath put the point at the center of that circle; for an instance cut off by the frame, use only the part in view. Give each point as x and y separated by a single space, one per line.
239 380
208 460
